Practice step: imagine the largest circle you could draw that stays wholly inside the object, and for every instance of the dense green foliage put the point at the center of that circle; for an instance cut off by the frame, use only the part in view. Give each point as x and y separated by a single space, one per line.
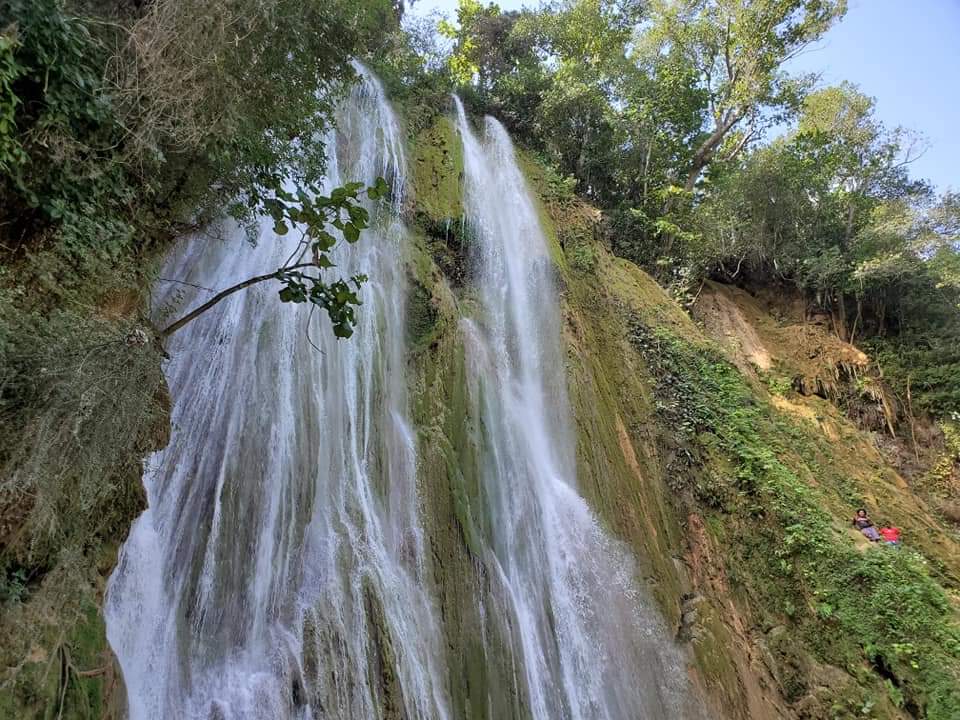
122 127
681 120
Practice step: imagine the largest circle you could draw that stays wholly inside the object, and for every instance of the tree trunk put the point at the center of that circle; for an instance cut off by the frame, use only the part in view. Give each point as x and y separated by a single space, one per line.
709 148
646 172
856 320
701 159
913 421
841 321
848 233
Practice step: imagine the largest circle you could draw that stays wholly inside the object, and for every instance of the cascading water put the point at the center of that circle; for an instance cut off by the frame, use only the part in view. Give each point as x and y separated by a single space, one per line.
588 640
277 572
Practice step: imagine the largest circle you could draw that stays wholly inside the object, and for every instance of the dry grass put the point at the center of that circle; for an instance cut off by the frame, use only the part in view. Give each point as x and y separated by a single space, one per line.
167 64
83 401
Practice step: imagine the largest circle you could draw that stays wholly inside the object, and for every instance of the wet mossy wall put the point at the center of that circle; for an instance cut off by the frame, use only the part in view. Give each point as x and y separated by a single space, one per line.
656 486
482 680
617 465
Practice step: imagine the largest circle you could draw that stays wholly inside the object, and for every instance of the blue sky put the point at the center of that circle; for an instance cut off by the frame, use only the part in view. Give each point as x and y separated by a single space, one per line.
905 53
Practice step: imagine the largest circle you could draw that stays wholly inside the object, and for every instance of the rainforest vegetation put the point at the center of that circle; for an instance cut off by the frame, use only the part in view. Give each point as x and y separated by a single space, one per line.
681 121
127 123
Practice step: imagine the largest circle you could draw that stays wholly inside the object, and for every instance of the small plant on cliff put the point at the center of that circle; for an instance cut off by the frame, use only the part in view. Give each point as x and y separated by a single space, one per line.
13 586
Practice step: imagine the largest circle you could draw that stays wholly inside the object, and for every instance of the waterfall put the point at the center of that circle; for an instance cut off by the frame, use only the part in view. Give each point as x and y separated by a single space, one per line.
281 569
278 571
589 641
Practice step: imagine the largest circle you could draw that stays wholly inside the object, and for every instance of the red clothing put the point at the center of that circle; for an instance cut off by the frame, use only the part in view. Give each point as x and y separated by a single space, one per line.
890 534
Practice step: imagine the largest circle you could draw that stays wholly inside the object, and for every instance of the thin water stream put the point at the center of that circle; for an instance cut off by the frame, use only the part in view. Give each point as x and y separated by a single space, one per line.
592 644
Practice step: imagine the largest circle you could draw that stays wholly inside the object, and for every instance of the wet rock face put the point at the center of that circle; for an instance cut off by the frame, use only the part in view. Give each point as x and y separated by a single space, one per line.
422 314
690 628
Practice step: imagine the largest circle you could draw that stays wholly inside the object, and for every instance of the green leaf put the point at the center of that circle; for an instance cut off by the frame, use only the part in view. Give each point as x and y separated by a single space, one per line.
323 240
378 190
351 232
342 330
358 216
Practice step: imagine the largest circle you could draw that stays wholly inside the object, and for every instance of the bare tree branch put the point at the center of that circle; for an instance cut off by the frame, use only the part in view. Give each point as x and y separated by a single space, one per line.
193 314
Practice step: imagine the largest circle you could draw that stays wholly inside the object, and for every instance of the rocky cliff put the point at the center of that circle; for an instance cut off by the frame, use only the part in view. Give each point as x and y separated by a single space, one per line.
716 444
712 441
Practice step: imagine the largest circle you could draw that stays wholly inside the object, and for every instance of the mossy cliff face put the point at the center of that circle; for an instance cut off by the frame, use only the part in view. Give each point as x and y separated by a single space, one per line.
733 490
616 465
735 501
482 679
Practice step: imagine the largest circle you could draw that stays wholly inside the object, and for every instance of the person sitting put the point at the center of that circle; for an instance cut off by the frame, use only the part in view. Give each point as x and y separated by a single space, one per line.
865 525
891 535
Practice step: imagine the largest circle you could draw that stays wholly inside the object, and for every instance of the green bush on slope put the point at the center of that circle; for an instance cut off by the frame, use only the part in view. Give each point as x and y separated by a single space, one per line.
881 606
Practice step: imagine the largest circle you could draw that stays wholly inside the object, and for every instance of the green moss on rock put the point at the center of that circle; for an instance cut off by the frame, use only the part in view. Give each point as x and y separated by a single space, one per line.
437 171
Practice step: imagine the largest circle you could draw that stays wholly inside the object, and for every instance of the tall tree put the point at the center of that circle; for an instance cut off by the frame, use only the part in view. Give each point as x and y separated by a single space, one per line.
738 49
867 162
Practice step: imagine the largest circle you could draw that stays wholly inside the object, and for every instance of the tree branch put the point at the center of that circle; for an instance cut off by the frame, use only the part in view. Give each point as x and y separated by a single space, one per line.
709 147
193 314
747 137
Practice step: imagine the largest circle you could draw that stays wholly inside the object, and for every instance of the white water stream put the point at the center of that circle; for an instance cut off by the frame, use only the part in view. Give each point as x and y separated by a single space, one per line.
591 644
277 572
